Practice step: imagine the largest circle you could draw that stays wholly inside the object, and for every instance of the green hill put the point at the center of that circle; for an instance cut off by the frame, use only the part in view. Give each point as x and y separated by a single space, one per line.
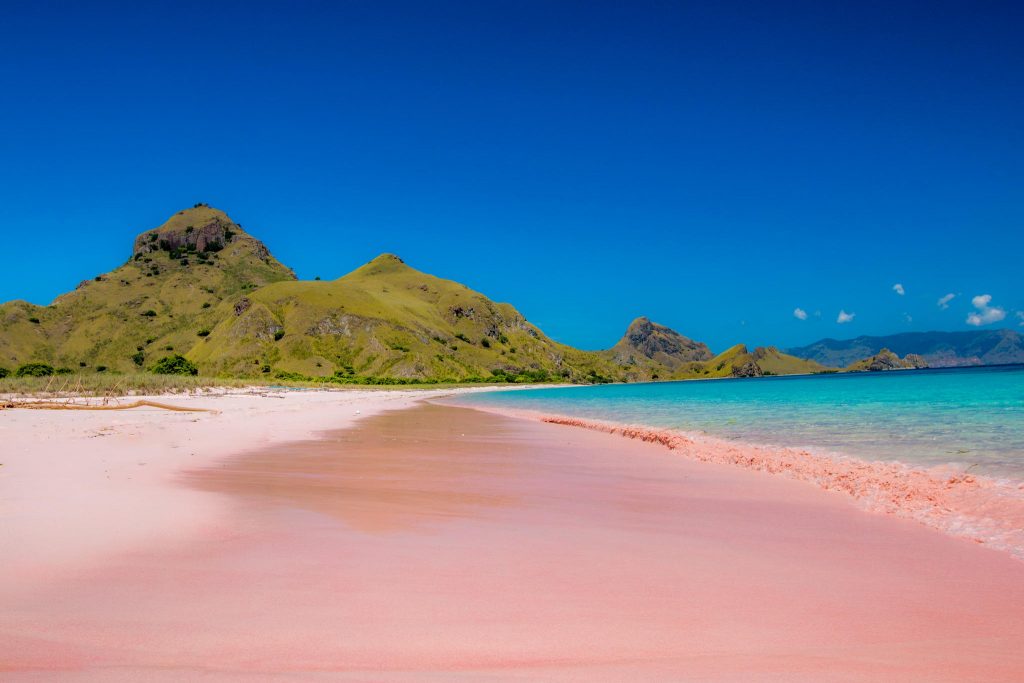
201 287
167 293
386 319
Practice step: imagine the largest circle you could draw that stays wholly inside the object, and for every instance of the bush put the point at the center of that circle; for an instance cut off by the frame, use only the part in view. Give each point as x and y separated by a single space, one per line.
278 335
4 372
203 332
139 358
175 365
149 314
101 368
34 370
34 321
485 343
206 304
463 338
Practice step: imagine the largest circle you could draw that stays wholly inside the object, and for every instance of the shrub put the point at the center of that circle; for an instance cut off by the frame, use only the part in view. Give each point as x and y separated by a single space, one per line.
203 332
175 365
278 335
292 376
503 339
149 314
485 343
139 358
34 320
189 229
81 363
206 304
463 338
34 370
101 368
4 372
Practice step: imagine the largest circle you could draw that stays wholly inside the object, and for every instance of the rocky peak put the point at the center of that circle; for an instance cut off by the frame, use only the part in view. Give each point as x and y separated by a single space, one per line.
200 229
659 343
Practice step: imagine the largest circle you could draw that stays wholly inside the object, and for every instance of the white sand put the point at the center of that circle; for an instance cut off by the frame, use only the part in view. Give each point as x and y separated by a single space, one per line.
78 486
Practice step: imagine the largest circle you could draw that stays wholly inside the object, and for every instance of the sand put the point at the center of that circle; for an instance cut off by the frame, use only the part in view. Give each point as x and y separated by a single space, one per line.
439 543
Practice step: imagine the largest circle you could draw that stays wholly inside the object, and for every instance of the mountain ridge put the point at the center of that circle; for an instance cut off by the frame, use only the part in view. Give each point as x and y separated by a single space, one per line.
200 286
937 348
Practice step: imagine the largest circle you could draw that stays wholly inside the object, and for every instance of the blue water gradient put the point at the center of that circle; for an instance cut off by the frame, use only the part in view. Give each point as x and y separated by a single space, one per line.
973 417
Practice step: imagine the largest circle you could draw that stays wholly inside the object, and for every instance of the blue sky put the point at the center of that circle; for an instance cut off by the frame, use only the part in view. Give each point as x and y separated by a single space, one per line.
714 166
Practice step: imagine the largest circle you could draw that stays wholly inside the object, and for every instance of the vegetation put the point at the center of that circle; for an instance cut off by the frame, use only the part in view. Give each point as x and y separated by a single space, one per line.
175 365
226 314
34 370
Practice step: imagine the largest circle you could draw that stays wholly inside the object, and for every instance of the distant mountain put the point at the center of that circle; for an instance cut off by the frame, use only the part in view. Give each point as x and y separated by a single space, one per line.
938 349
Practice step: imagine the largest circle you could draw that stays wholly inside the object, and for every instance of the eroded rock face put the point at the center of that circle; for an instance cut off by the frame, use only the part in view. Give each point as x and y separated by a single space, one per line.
211 236
748 369
659 343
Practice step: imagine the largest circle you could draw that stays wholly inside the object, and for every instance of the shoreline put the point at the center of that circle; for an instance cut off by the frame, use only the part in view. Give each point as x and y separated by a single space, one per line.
423 541
977 508
438 542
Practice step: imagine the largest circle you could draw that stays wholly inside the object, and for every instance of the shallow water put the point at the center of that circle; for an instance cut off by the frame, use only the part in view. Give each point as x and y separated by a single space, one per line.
970 417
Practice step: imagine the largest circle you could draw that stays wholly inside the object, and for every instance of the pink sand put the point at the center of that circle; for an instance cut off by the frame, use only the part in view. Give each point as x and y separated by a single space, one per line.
441 543
981 509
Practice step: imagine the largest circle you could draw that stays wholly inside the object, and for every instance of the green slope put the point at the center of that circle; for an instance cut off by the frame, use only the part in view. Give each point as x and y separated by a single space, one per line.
200 286
386 319
162 297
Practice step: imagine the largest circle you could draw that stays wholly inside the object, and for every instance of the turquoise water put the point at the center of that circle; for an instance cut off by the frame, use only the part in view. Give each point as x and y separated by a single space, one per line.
973 417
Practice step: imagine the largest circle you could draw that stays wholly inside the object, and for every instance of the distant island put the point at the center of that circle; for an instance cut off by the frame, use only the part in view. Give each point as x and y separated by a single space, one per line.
199 295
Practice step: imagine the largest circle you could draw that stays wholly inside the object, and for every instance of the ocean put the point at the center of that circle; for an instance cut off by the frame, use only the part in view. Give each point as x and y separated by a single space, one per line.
970 418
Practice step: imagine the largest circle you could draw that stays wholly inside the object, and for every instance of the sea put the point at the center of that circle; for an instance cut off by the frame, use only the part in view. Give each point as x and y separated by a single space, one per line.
971 419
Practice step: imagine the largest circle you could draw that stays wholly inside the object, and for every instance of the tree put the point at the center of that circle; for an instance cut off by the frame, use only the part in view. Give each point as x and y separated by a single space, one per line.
175 365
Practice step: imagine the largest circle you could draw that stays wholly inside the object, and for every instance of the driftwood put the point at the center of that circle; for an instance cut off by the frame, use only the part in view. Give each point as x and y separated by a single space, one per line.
49 405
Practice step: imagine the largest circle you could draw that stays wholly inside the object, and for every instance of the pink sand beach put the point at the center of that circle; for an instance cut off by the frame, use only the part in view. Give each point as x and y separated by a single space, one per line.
374 536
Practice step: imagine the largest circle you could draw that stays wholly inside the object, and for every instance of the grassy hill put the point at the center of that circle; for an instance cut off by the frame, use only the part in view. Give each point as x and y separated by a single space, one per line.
386 319
201 287
167 293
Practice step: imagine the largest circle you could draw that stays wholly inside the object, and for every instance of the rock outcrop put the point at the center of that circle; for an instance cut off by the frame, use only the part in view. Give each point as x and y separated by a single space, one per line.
887 360
649 340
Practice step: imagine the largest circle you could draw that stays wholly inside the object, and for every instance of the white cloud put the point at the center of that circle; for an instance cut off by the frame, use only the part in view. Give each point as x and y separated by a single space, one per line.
985 314
800 313
944 301
1020 314
898 288
909 318
845 317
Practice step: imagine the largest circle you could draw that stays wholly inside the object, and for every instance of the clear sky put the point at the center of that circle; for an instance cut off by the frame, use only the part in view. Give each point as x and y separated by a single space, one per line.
714 166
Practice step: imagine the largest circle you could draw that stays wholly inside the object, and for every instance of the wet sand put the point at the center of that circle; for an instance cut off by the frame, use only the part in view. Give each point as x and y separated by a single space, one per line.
441 543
